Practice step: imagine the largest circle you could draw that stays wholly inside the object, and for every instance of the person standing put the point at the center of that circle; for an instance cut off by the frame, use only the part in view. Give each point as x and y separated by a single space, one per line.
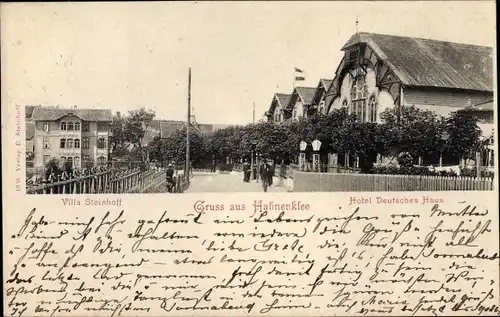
246 171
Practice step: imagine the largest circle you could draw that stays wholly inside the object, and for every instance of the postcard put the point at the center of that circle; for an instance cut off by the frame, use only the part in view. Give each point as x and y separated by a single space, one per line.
250 159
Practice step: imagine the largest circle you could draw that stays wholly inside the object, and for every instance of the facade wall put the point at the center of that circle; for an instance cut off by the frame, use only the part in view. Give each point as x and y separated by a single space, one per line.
47 143
383 98
298 110
442 101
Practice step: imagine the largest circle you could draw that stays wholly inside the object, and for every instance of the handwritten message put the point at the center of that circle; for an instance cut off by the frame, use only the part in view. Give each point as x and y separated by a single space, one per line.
256 257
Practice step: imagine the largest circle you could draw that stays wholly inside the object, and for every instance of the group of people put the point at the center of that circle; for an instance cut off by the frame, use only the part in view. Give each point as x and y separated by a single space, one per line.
265 172
53 175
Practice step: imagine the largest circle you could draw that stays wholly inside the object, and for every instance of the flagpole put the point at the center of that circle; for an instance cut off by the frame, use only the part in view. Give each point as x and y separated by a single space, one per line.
186 171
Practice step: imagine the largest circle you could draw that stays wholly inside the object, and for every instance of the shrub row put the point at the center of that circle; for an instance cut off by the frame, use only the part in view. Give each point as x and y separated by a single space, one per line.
425 171
410 170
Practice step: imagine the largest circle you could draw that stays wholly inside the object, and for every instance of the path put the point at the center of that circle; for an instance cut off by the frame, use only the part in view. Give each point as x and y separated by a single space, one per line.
231 182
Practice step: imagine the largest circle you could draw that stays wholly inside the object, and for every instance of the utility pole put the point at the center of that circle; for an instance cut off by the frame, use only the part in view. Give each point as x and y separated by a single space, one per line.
188 124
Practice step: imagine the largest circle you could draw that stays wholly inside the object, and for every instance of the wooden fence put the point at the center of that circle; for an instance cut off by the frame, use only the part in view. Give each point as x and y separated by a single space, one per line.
109 182
334 182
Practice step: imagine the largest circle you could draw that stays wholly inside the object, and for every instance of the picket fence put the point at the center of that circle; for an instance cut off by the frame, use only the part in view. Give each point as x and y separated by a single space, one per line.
335 182
109 182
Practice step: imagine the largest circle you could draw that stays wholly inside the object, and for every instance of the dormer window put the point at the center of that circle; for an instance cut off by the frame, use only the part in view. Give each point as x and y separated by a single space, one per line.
352 55
322 107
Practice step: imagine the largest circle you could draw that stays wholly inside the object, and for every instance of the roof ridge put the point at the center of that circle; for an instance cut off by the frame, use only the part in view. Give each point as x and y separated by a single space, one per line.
424 38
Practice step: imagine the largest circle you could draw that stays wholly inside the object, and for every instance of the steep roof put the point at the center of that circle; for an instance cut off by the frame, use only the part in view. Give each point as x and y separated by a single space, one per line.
321 89
306 94
29 111
51 114
326 83
283 99
167 128
432 63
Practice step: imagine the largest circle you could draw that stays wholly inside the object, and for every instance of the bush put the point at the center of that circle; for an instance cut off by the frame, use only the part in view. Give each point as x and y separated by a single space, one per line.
226 167
471 172
411 170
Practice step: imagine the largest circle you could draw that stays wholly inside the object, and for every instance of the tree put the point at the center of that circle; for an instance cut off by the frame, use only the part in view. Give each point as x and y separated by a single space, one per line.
118 141
360 140
224 143
266 138
464 135
173 148
412 130
136 124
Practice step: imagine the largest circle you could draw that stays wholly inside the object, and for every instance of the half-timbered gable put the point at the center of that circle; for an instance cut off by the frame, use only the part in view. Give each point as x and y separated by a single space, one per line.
383 71
318 101
300 103
278 111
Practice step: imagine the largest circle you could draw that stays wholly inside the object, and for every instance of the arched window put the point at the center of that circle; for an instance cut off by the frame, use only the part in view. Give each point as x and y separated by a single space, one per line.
359 93
344 103
77 143
62 159
76 162
101 143
70 161
77 126
63 126
70 126
69 143
372 109
63 143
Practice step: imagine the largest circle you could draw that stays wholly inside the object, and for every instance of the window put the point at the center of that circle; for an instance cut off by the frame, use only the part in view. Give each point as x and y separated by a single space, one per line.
86 127
70 161
63 126
77 126
46 143
344 103
352 55
86 143
46 159
86 158
322 107
101 143
359 92
69 143
62 159
46 126
102 126
76 162
62 144
77 143
70 126
372 109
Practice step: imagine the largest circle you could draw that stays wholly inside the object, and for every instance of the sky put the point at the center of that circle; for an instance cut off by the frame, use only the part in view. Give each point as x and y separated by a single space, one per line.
123 56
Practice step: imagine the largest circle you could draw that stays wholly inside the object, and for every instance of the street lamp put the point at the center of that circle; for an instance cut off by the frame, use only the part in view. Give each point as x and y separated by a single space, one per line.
316 145
302 155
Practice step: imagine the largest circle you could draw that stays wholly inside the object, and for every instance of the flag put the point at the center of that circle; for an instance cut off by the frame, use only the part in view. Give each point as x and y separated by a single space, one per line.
297 70
299 78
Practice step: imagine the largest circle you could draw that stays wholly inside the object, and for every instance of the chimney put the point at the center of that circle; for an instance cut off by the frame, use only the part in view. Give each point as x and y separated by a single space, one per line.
118 114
